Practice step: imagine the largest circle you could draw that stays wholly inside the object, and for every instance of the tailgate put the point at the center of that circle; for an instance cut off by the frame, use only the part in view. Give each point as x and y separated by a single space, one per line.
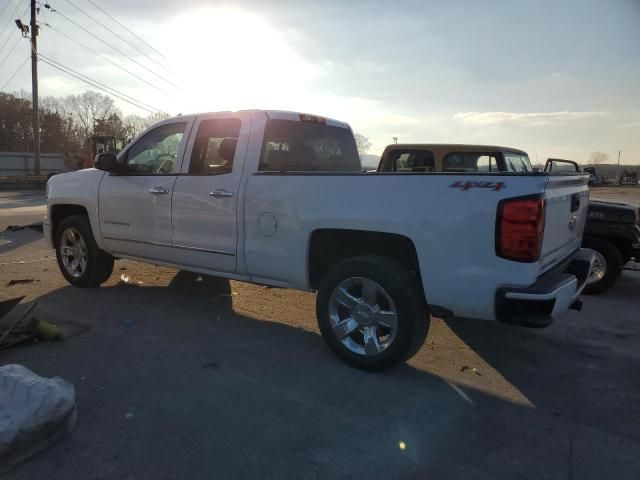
567 199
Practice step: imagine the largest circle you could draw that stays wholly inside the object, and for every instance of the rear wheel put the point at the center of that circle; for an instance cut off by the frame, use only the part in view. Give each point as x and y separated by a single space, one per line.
608 266
371 312
80 260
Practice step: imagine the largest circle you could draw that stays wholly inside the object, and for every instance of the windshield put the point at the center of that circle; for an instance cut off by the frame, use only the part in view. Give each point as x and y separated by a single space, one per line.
516 162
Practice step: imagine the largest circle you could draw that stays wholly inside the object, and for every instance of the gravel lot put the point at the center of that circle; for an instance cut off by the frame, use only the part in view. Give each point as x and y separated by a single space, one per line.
180 376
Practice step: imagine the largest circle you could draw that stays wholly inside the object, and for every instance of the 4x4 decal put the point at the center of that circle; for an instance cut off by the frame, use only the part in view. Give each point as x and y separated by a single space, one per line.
464 186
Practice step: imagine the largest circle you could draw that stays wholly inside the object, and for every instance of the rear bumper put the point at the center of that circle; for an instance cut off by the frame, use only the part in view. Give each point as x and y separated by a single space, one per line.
553 293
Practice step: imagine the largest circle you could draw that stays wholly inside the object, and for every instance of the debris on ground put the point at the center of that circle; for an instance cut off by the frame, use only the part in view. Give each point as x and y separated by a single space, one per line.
19 281
473 369
34 226
36 412
8 333
22 330
125 278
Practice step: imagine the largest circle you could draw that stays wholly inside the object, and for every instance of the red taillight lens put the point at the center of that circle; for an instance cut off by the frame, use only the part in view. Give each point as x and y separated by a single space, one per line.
521 229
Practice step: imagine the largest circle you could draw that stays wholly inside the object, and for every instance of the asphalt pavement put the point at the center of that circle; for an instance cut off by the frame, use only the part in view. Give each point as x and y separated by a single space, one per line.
182 376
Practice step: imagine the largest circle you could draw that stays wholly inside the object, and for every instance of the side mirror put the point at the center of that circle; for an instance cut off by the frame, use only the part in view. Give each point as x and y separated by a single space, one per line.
105 161
227 148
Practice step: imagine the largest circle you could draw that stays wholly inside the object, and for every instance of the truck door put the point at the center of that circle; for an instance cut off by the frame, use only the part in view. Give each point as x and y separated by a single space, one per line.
205 196
135 202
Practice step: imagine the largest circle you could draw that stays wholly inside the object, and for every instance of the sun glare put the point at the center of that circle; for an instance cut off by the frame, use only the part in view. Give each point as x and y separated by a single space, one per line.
229 59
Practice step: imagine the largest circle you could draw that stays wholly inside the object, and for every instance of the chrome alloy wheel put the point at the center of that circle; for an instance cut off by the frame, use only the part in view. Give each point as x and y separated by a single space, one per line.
363 316
73 252
599 268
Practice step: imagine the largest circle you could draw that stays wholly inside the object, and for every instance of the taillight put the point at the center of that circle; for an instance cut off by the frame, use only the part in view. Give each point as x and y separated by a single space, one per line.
520 229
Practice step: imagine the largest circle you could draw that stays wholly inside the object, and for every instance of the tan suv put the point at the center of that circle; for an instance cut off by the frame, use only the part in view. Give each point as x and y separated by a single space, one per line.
424 157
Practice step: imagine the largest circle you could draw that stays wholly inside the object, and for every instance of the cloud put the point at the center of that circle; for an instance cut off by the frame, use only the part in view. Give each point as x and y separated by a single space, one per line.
528 118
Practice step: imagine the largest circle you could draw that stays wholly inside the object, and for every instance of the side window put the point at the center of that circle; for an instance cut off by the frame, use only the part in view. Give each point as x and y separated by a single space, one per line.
214 147
156 152
412 161
470 162
486 163
518 163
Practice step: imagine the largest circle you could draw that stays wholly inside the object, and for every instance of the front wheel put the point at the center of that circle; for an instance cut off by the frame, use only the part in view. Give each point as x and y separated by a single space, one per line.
80 260
371 312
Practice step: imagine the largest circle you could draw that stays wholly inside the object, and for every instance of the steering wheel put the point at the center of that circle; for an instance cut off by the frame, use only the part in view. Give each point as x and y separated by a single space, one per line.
166 162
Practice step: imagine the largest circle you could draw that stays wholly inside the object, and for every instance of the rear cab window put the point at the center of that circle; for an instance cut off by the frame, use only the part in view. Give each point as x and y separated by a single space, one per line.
410 161
470 162
299 146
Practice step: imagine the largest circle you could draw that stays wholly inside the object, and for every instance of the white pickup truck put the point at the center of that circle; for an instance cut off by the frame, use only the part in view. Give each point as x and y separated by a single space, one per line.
279 198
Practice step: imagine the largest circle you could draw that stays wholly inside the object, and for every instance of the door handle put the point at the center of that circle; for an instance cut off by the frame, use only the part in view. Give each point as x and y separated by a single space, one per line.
221 193
158 191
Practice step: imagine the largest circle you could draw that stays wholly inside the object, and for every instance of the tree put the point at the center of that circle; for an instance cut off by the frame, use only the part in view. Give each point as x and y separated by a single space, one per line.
89 108
110 126
598 158
66 123
16 133
362 142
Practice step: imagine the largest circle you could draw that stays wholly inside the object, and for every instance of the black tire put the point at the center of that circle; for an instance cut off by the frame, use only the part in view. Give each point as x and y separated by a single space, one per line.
614 264
99 263
403 288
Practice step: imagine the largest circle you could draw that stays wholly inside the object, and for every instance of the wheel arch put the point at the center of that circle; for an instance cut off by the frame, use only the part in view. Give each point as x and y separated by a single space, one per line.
58 212
330 246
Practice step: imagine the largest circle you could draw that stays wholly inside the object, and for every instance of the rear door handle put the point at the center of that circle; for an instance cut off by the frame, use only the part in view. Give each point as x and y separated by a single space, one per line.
221 193
158 191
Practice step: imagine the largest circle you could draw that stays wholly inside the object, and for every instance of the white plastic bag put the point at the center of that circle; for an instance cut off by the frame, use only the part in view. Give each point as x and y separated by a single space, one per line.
35 413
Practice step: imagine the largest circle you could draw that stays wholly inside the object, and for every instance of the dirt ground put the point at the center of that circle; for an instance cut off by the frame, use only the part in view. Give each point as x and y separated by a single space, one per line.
617 194
179 376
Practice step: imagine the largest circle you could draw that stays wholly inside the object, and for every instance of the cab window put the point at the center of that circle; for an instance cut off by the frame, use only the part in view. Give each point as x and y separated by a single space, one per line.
470 162
306 146
515 162
156 152
411 161
214 147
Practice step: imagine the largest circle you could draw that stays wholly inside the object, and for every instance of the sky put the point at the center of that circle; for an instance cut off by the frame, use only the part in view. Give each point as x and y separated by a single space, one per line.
554 78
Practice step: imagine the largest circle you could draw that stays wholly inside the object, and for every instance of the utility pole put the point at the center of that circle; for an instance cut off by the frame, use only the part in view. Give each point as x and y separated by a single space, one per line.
34 90
619 152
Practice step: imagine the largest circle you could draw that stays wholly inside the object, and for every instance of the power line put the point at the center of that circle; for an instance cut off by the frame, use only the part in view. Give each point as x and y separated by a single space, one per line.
3 10
8 36
15 5
96 86
14 73
94 83
44 57
59 32
114 48
10 51
116 20
6 27
119 37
